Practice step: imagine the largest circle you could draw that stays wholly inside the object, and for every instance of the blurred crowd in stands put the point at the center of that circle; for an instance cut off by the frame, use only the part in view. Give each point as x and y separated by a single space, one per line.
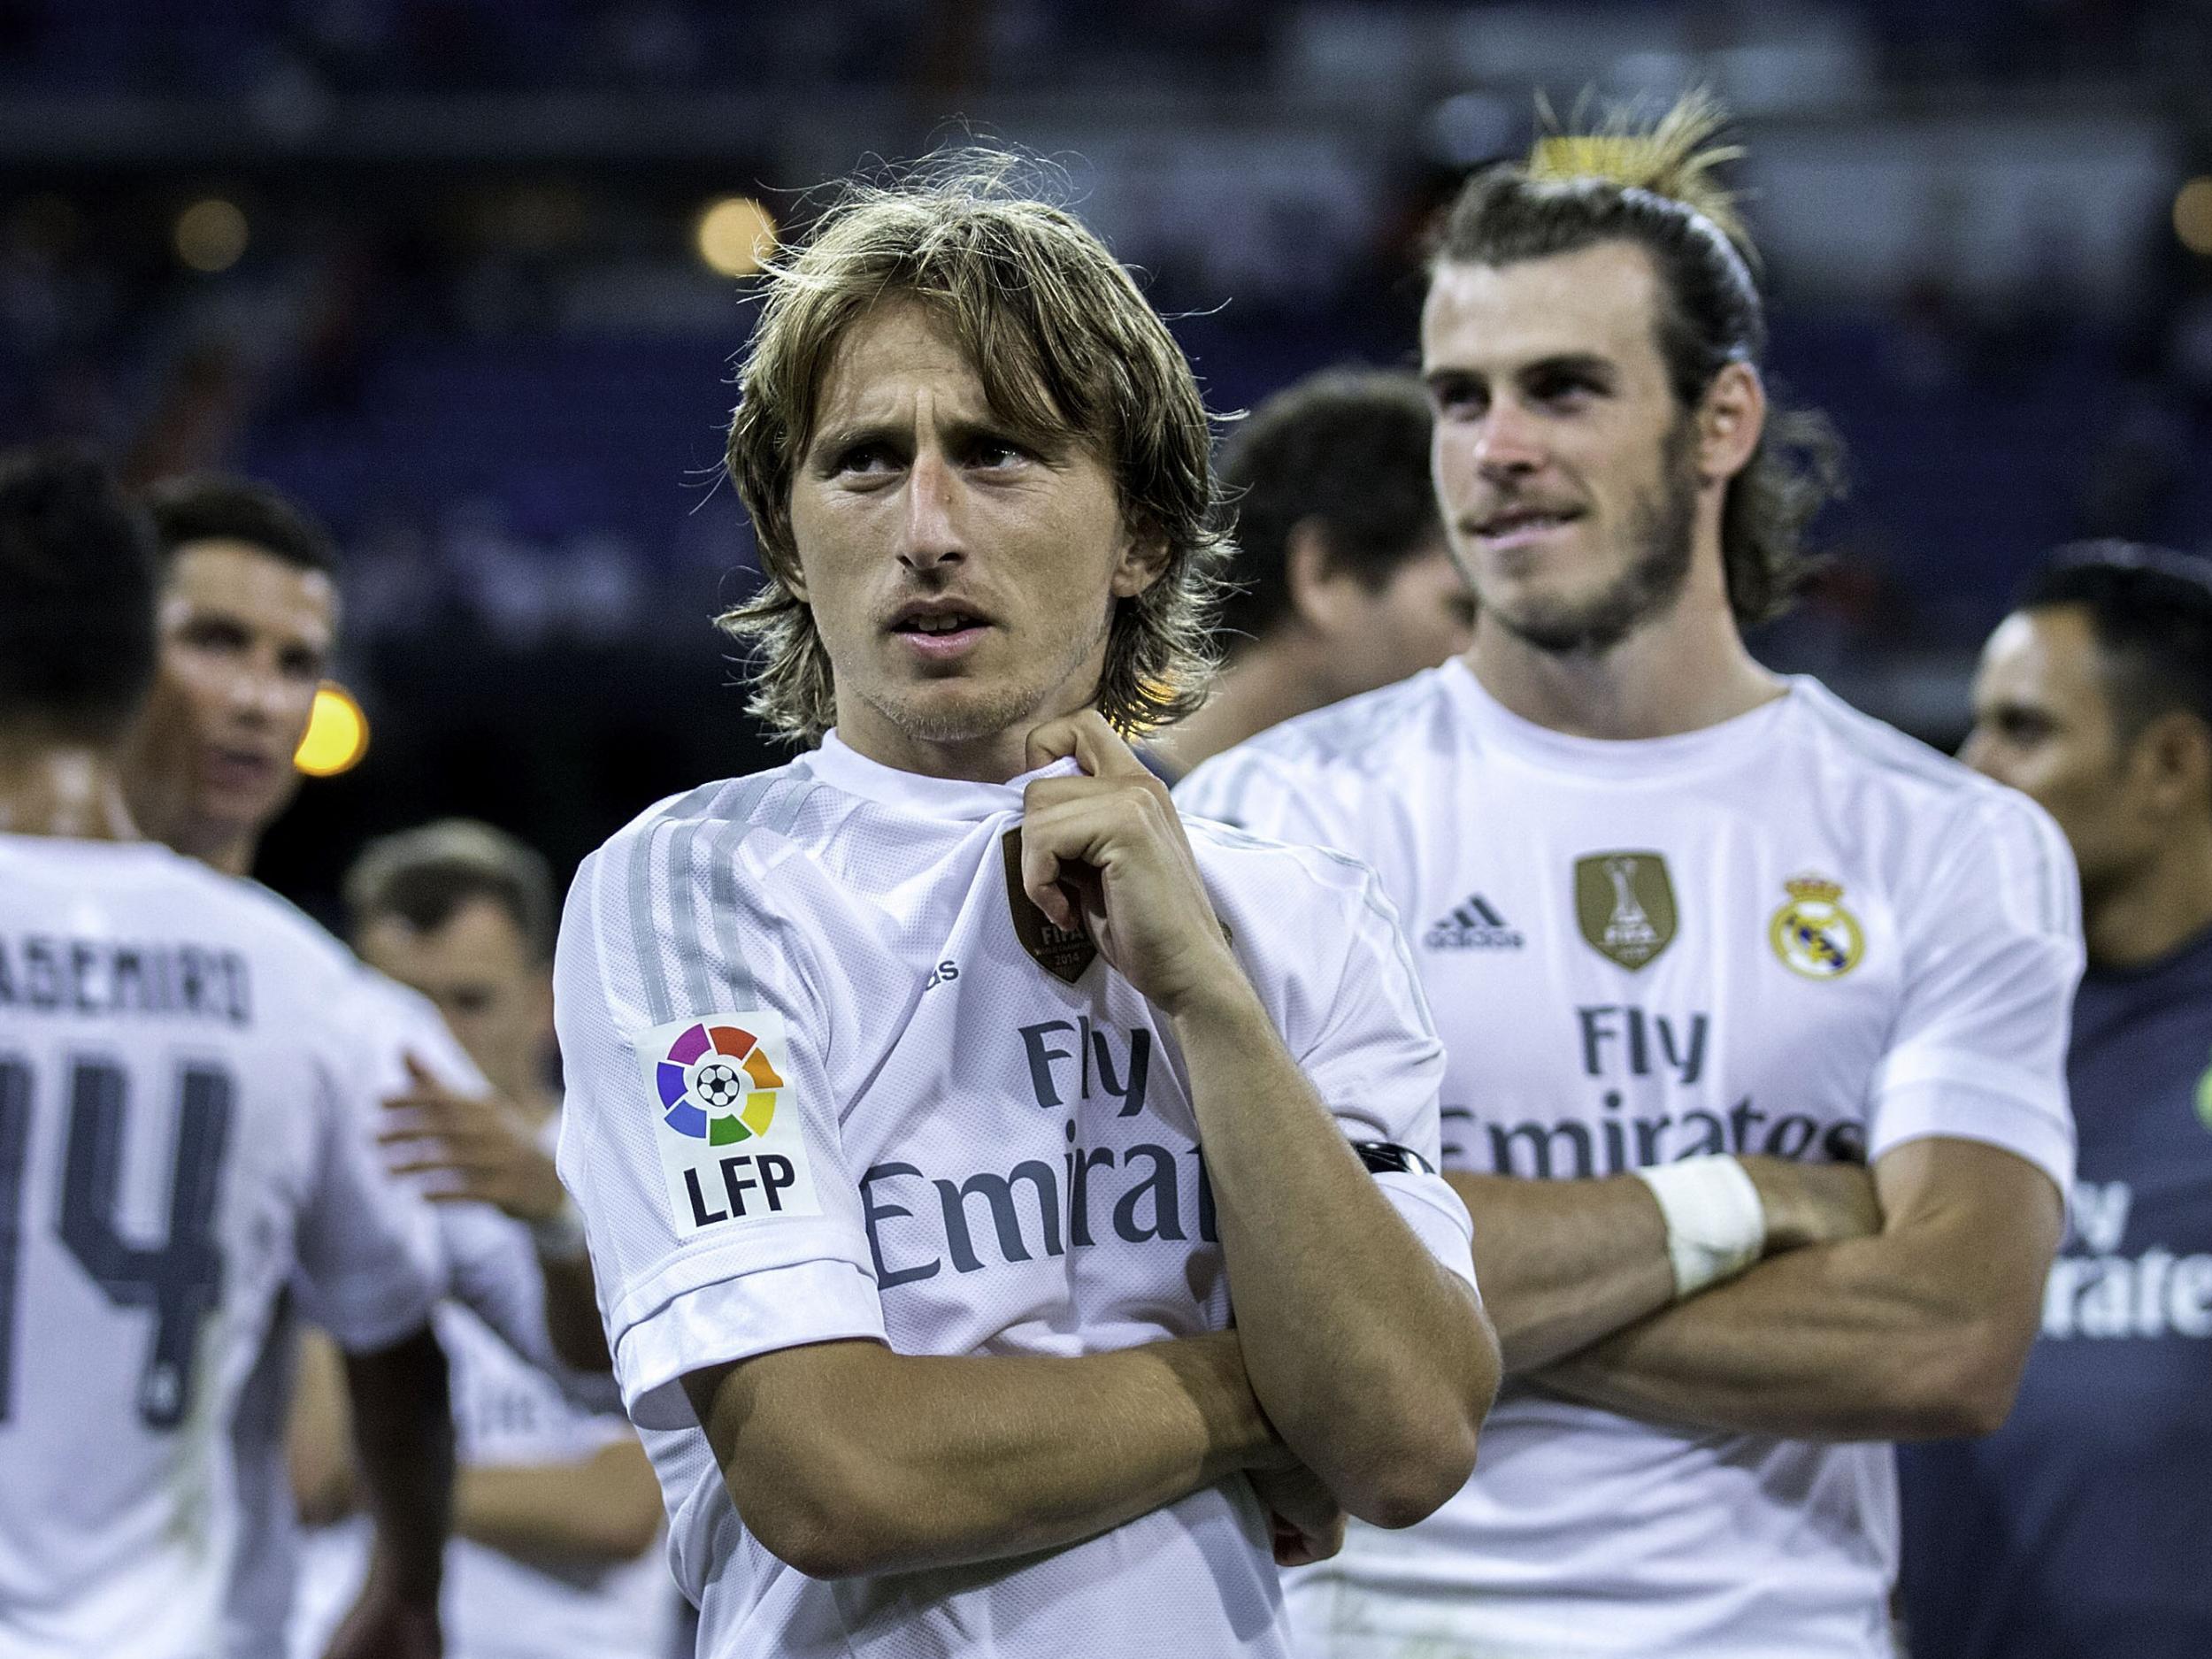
444 281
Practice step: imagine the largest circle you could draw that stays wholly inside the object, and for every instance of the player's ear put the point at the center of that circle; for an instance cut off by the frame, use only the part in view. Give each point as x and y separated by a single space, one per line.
786 569
2174 751
1316 583
1730 420
1142 561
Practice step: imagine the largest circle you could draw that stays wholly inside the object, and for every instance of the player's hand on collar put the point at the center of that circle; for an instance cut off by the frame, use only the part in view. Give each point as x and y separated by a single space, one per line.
1105 853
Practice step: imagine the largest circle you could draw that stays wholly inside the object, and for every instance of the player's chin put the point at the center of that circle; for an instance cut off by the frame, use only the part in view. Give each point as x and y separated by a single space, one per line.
962 707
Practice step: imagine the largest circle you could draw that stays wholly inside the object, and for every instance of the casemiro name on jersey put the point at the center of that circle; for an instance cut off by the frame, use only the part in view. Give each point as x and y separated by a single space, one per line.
50 973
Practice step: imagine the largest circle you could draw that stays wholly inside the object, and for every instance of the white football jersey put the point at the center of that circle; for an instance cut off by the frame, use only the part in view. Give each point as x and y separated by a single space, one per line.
820 1090
507 1414
489 1266
177 1074
1796 933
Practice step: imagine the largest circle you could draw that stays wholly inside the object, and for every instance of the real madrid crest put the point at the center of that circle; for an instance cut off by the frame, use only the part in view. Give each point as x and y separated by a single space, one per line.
1813 934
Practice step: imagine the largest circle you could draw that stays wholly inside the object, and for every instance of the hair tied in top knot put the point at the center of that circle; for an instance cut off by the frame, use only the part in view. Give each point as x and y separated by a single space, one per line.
1674 158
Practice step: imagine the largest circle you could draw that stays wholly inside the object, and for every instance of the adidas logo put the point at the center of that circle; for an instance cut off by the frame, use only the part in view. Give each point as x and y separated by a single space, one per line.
1474 925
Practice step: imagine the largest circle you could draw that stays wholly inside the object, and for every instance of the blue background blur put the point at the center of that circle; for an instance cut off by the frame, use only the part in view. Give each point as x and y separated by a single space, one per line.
470 323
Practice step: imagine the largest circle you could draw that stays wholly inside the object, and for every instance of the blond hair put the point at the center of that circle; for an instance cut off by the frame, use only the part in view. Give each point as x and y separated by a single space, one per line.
1657 184
1068 350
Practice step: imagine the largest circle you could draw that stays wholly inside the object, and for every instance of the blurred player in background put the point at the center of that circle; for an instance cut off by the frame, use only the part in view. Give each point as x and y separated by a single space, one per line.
176 1143
249 616
249 624
1702 941
1342 580
914 1272
555 1508
2076 1530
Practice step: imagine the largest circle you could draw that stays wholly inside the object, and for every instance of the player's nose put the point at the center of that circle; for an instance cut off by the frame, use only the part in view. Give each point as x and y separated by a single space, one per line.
929 533
1979 751
1508 442
258 697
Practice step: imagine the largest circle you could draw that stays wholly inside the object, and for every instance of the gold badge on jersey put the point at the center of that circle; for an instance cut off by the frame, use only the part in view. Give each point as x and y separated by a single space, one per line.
1060 953
1813 934
1625 903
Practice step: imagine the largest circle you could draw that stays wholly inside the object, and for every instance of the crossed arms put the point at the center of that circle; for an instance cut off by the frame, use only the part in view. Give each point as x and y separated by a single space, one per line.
1895 1303
1357 1377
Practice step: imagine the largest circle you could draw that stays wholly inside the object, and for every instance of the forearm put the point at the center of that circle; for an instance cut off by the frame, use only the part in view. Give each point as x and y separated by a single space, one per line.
318 1437
1918 1329
605 1510
403 1436
847 1459
1372 1360
1566 1263
572 1312
1563 1264
1843 1341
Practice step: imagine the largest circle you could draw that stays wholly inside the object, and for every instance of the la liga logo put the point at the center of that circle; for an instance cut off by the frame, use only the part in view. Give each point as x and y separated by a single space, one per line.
717 1086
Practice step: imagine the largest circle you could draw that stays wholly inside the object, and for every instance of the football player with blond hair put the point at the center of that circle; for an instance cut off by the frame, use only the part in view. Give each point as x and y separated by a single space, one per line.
1755 1008
931 1098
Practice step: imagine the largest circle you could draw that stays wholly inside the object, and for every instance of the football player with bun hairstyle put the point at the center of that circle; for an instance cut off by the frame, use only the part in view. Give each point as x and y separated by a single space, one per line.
1755 1008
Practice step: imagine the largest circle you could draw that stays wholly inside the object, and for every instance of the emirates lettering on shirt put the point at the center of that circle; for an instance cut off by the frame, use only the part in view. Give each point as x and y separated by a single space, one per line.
922 1223
2096 1291
1619 1044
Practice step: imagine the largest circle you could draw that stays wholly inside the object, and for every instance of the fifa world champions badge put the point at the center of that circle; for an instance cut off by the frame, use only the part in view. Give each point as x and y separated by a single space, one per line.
730 1142
1813 934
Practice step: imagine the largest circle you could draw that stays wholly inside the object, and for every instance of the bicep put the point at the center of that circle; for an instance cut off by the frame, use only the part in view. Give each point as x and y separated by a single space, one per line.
1978 1224
790 1432
767 1411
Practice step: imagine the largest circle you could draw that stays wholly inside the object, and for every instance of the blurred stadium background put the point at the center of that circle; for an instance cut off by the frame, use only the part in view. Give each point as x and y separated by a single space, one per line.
465 276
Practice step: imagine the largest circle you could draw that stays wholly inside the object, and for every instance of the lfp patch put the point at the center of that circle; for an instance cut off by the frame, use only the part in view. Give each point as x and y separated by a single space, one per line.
731 1141
717 1086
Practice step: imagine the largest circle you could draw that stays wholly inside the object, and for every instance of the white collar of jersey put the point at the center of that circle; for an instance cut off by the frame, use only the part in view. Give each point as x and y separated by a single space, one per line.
1710 749
115 855
843 767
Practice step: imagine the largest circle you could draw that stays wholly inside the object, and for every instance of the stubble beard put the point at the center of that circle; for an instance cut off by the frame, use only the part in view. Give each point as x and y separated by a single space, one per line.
989 711
1663 534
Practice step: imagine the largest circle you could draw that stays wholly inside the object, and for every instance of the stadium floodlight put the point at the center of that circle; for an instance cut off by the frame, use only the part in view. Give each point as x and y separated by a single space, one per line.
337 733
734 234
2193 216
211 235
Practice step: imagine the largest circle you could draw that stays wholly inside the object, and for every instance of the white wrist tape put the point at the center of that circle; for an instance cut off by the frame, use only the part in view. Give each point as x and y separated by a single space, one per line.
1715 1226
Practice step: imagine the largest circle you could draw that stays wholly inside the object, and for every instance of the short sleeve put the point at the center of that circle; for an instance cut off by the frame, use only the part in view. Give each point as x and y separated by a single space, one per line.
1250 790
495 1276
372 1264
1354 1018
700 1135
491 1264
1993 951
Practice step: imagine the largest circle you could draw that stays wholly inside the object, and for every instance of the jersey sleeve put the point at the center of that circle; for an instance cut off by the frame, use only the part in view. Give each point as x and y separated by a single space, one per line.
1249 788
494 1264
491 1264
1353 1015
700 1132
371 1265
1993 950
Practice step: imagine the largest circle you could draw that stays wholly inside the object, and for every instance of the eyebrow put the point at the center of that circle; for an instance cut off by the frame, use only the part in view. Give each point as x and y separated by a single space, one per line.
833 441
1591 364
